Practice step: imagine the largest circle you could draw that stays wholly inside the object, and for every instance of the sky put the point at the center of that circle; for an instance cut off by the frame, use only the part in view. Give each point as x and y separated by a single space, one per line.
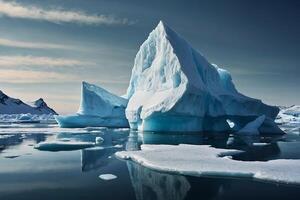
47 48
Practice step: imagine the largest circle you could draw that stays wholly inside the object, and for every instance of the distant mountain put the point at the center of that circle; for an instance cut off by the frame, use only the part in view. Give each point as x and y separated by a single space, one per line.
9 105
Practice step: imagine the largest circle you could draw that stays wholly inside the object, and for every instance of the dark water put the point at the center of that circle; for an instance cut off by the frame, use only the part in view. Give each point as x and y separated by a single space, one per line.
27 173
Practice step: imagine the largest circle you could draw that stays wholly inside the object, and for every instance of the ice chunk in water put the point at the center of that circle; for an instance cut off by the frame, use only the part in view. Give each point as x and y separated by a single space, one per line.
63 146
107 177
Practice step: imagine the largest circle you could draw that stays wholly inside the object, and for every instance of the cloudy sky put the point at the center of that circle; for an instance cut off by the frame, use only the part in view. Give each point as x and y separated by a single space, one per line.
48 47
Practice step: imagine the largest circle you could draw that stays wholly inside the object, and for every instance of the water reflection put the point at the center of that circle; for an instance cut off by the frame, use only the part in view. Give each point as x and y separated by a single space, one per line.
255 148
95 158
9 140
171 138
149 184
62 169
133 142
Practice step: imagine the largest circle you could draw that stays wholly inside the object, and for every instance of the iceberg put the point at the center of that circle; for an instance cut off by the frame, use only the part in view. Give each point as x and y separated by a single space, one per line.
98 107
204 160
252 127
174 88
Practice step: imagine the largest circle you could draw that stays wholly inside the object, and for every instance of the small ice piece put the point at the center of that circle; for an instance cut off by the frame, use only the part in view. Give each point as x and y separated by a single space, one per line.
230 123
252 127
118 146
99 140
107 177
98 108
260 144
62 146
204 160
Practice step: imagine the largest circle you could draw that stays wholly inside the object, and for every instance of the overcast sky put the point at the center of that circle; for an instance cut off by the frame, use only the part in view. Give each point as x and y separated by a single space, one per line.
48 47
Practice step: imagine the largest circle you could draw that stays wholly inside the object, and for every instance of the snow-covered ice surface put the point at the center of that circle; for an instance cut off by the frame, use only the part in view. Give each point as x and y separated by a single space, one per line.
203 160
63 145
289 119
174 88
107 177
98 107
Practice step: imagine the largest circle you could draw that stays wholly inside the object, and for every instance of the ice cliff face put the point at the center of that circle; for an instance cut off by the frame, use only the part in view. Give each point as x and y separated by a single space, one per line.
174 88
10 105
97 101
98 107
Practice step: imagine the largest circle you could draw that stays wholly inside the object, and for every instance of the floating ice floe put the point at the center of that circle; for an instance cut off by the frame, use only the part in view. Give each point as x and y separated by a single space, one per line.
63 146
107 177
202 160
174 88
27 118
98 107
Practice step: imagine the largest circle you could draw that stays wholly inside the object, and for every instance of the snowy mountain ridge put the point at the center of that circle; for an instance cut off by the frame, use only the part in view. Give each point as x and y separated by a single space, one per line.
9 105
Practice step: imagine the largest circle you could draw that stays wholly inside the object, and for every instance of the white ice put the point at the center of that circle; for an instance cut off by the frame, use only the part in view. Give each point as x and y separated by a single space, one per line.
98 107
202 160
289 119
63 146
174 88
107 177
27 118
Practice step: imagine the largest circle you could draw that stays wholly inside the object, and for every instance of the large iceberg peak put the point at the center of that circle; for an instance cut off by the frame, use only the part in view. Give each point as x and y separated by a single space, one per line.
174 88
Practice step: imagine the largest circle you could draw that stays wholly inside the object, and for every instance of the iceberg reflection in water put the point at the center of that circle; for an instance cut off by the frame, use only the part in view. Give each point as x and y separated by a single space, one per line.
75 174
95 158
149 184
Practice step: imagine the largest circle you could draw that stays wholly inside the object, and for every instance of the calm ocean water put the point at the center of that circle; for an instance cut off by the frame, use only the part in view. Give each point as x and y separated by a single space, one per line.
28 173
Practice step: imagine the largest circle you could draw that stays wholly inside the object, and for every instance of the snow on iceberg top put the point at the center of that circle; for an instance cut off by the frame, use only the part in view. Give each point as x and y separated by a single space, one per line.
97 101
